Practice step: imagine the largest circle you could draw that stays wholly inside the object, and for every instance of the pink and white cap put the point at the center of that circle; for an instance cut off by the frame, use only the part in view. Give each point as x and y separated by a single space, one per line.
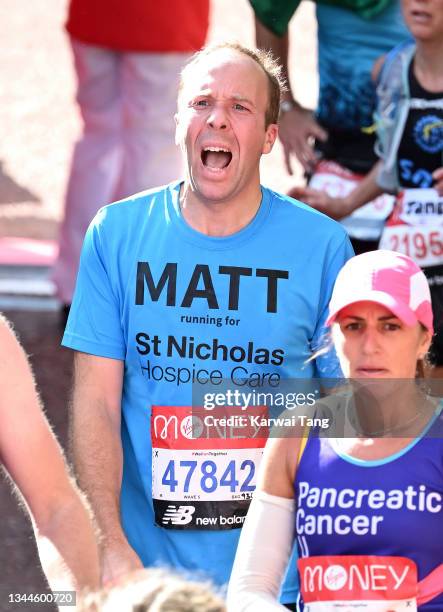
387 278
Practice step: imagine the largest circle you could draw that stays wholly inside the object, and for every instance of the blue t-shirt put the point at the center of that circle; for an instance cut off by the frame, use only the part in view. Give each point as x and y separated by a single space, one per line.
348 46
177 305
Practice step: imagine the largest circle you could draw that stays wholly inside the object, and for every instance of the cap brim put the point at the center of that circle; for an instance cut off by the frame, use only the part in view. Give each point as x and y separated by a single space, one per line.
399 309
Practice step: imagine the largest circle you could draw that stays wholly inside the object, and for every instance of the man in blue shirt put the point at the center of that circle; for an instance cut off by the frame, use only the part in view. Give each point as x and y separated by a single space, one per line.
208 279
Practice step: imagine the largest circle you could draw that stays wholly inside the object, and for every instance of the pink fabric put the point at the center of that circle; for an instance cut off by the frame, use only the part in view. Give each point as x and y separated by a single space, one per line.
127 102
431 586
387 278
27 252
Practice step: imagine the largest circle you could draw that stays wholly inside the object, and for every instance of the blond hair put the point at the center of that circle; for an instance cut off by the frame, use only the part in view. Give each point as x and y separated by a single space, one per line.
154 590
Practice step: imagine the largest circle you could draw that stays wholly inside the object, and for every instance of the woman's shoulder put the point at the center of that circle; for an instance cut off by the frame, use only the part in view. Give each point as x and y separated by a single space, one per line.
394 64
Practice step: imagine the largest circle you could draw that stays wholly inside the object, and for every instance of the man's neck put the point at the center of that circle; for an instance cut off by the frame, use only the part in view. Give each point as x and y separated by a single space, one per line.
219 218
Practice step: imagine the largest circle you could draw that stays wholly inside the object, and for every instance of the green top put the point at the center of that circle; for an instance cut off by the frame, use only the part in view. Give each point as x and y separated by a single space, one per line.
276 14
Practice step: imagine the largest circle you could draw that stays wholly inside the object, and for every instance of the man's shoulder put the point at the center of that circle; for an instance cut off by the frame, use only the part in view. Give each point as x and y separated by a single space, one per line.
304 217
130 209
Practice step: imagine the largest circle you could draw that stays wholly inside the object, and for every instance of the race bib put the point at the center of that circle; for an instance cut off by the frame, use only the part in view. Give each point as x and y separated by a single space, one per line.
366 222
415 227
199 480
357 583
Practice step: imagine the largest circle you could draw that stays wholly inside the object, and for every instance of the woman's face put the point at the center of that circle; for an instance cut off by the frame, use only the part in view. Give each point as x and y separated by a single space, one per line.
424 18
371 342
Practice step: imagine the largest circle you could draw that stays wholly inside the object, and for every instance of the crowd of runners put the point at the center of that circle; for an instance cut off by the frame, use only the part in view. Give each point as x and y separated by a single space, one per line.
215 284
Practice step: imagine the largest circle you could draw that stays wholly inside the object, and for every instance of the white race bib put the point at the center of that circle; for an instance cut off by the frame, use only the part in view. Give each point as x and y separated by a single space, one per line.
415 227
365 223
199 481
421 207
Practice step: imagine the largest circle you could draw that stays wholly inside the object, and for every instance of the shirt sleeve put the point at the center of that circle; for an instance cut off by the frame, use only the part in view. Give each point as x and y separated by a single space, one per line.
275 14
94 323
327 365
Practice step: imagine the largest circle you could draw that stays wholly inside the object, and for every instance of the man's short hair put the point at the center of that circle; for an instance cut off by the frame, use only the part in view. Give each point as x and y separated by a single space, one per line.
264 59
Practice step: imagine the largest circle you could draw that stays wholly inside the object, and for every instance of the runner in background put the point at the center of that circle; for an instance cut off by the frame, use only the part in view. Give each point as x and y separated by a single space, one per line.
369 503
127 56
351 36
32 457
410 148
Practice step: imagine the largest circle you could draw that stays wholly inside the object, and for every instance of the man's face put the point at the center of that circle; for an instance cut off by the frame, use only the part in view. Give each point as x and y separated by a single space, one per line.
221 125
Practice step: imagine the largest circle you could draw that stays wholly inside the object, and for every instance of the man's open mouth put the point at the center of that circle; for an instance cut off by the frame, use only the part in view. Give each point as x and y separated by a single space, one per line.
216 158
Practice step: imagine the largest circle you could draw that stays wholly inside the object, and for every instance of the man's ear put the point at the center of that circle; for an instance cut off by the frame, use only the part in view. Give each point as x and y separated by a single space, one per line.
270 137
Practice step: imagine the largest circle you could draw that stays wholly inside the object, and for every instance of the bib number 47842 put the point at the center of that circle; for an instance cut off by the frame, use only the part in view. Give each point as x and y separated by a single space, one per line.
205 476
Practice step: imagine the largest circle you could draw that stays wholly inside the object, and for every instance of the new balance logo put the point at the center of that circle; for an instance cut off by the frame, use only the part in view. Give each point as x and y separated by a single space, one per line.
181 515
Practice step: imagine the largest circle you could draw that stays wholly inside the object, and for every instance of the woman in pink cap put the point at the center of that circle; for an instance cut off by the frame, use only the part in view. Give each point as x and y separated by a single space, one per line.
364 500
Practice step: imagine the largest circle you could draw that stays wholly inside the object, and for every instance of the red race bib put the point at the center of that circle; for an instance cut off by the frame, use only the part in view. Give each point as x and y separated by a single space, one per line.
356 583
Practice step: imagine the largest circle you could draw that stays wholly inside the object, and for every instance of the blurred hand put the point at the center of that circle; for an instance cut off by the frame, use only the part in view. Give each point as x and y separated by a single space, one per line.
336 208
117 560
438 177
297 130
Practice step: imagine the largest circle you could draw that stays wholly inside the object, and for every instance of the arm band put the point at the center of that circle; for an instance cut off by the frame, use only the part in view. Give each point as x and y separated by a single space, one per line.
262 555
